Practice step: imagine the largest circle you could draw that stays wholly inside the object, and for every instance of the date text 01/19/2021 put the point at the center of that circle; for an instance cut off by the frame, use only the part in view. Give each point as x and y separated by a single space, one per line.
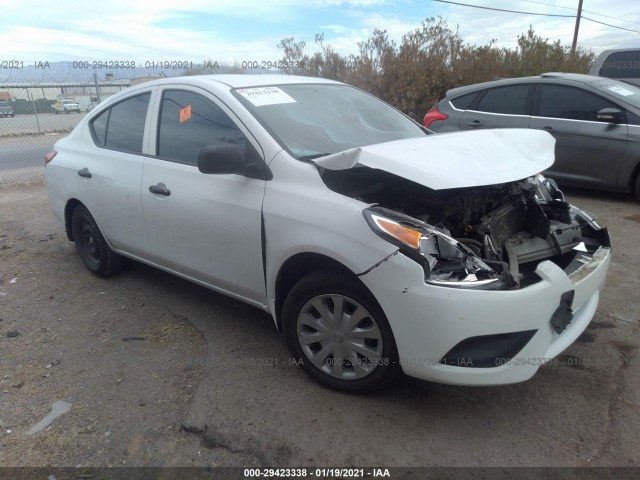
316 473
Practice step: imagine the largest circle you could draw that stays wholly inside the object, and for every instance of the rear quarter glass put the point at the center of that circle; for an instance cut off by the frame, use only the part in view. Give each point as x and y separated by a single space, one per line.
464 101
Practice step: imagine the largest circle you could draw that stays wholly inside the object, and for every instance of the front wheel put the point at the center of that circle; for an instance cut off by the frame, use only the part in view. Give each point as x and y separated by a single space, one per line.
338 333
91 245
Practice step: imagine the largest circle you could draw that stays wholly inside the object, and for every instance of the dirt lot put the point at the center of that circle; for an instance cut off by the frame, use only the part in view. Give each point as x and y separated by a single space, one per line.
161 372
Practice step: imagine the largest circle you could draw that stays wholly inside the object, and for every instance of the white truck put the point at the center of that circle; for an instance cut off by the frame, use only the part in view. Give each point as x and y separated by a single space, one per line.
66 106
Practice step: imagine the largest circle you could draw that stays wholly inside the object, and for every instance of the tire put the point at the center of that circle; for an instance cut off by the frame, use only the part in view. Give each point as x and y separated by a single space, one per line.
351 358
91 245
636 188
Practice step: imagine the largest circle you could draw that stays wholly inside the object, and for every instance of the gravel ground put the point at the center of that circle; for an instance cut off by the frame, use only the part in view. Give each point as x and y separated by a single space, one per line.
160 372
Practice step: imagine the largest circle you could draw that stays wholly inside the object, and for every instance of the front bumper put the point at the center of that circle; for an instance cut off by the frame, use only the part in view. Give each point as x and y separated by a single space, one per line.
429 321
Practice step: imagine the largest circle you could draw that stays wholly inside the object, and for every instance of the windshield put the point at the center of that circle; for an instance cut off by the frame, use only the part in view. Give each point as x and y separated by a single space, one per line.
312 120
625 92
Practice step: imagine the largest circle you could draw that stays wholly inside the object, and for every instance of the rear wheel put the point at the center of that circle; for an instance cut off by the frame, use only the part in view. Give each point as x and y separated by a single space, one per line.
636 188
91 245
338 333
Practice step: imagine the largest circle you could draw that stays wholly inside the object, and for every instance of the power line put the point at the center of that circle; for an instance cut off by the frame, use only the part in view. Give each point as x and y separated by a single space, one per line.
609 25
536 13
587 11
504 10
550 4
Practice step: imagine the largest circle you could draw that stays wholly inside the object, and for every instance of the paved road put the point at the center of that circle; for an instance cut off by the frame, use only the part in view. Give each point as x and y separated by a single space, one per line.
44 122
211 383
25 151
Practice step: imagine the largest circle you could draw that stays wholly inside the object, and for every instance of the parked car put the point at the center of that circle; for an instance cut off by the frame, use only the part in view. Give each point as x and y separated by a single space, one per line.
6 109
595 121
620 64
375 246
66 106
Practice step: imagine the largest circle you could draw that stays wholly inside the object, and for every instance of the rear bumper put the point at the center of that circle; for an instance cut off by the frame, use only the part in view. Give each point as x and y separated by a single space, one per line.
429 321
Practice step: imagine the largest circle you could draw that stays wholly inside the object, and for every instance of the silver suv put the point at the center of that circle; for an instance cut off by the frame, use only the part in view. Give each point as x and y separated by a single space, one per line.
595 121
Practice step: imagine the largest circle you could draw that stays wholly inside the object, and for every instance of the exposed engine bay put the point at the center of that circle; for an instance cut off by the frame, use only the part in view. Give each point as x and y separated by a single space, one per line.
511 227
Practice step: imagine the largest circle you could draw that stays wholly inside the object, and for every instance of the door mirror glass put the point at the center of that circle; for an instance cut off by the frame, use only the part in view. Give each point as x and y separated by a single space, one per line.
221 159
611 115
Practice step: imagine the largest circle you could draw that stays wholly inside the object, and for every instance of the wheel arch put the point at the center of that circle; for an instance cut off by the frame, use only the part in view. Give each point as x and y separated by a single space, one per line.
296 267
68 215
634 180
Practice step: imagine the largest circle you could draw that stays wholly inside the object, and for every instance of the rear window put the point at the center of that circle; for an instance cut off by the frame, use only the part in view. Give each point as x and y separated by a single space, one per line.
463 102
511 100
121 127
621 65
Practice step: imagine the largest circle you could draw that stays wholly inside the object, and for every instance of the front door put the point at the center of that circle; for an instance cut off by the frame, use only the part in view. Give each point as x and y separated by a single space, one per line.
588 151
207 227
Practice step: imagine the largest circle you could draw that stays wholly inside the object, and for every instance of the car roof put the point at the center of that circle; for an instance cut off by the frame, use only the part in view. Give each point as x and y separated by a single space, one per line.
569 78
241 81
223 82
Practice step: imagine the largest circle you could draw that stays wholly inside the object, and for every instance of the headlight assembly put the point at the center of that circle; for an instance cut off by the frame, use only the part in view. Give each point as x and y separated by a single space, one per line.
446 261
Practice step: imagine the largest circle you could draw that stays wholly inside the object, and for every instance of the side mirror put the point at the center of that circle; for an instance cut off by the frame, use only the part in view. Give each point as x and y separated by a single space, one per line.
611 115
221 159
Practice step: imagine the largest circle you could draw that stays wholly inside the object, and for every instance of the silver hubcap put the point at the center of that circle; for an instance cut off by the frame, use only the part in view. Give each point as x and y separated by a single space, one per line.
340 337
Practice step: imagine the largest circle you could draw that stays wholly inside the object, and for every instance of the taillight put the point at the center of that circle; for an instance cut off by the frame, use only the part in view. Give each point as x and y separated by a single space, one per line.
433 115
49 156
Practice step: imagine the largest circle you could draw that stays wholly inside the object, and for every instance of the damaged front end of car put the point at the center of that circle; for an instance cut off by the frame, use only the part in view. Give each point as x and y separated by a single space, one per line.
490 237
474 236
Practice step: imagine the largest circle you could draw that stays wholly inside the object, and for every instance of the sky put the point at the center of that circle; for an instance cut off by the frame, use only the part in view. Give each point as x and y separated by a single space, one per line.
229 31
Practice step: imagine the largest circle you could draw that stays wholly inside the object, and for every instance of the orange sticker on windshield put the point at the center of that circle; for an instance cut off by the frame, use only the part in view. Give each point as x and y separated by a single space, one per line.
185 114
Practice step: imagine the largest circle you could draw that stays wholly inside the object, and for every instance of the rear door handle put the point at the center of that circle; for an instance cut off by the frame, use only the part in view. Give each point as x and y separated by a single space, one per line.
475 123
84 173
548 128
160 189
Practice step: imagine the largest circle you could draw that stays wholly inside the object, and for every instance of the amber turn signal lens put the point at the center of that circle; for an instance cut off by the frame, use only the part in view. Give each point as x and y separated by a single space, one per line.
404 234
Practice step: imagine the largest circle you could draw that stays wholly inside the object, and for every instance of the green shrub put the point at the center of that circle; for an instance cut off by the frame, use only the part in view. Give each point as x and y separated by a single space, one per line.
430 60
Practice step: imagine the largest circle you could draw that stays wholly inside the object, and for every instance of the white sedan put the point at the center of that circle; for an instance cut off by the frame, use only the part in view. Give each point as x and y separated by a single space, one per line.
376 246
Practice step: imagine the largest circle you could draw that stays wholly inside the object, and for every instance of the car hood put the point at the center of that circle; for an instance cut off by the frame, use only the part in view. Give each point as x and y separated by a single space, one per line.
455 160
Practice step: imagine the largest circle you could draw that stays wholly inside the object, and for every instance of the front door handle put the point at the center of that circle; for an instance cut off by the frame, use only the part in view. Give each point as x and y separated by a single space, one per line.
475 123
160 189
84 173
548 128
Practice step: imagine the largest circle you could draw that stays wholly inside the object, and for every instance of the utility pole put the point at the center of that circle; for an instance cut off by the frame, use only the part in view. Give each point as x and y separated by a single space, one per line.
95 81
575 32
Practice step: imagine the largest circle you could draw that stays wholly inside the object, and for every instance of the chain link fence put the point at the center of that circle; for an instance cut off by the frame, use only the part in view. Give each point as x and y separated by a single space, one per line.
37 108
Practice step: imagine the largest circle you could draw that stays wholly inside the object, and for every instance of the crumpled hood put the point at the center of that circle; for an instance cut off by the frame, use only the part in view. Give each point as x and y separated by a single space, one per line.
455 160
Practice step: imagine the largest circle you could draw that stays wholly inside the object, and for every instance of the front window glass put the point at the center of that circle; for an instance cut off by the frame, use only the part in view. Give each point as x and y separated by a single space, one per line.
190 122
311 120
558 101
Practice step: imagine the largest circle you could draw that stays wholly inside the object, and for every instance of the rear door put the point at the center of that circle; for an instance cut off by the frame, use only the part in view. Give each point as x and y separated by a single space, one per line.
207 227
507 106
588 151
110 173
